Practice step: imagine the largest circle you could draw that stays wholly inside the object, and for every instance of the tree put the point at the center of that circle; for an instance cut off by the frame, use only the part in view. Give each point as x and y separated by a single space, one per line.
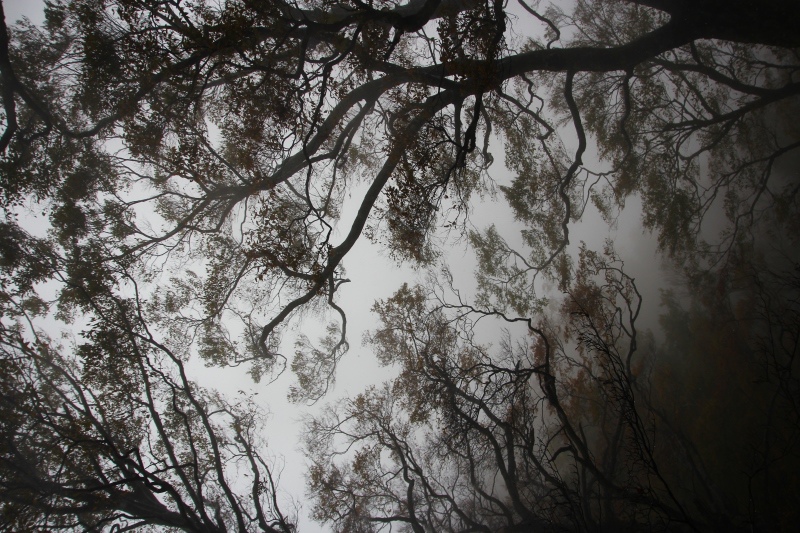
581 425
190 161
112 435
245 125
725 386
467 438
511 439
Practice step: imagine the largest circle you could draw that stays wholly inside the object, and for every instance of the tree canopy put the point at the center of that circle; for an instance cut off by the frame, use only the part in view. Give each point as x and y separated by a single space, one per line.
116 437
174 177
584 424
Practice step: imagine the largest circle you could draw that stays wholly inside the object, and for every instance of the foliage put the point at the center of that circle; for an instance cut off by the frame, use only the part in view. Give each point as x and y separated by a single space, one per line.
186 166
584 424
110 434
725 383
244 126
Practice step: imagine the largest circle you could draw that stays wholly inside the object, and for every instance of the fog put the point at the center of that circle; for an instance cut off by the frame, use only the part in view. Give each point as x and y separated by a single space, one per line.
581 410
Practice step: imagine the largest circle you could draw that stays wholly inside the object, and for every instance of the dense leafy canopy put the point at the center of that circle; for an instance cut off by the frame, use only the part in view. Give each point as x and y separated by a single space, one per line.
173 181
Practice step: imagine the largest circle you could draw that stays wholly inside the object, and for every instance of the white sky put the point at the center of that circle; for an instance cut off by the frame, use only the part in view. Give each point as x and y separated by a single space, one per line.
16 9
